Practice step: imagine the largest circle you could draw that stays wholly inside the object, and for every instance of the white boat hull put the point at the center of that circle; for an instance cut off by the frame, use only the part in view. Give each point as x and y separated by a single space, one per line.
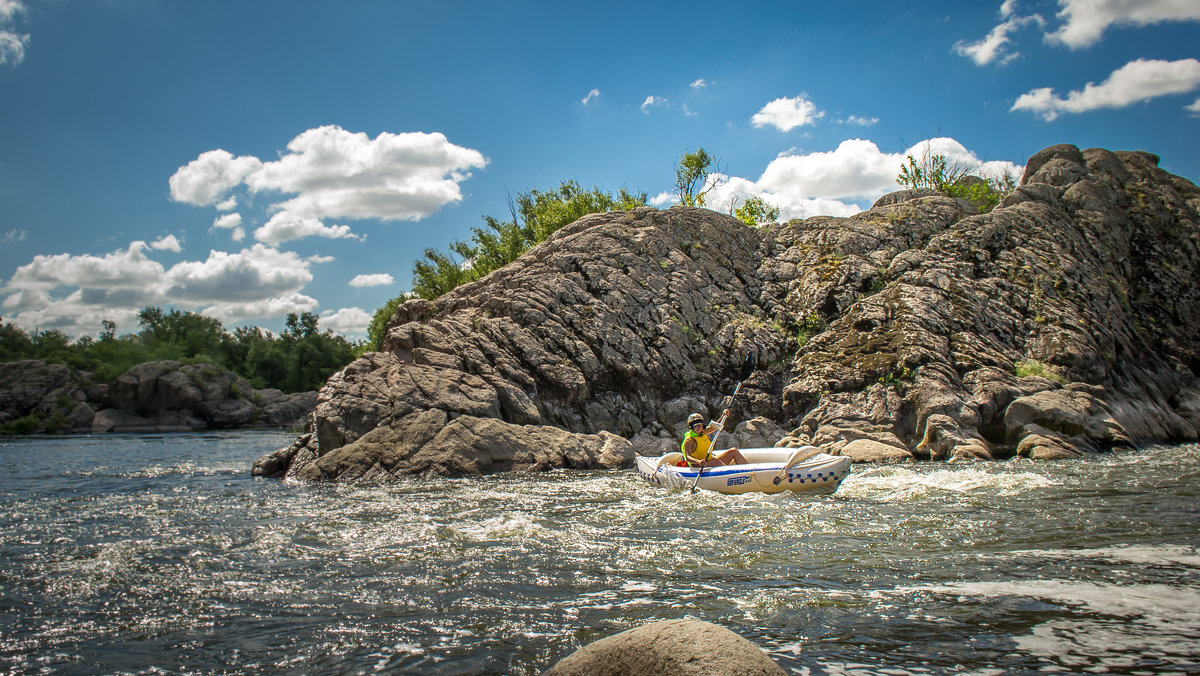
768 470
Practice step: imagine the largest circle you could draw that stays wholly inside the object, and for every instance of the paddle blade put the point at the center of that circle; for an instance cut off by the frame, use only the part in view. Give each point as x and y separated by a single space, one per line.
748 367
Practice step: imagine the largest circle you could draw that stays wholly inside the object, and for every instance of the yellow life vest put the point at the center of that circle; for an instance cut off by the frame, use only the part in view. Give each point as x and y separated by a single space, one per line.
702 445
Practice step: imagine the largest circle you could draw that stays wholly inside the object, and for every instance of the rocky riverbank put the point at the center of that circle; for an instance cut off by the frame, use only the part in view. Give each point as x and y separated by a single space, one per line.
1065 321
161 396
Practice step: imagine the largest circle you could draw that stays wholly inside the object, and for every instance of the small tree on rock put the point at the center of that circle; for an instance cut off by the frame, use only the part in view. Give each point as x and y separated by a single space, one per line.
755 211
695 175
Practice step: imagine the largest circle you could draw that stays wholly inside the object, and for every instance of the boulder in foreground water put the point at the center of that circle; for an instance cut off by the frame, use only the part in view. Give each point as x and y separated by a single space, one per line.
669 648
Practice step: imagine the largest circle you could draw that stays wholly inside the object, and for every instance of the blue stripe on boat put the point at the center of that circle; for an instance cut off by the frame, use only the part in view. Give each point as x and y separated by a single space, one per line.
728 471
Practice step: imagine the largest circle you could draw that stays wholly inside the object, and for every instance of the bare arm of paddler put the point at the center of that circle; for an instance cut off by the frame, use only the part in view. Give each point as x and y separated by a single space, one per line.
730 456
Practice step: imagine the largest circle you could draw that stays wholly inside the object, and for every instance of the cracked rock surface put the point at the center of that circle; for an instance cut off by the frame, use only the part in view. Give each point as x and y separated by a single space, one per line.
1065 321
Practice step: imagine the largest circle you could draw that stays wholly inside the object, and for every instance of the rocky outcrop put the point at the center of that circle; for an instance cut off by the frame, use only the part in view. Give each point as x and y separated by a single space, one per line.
164 396
32 391
669 648
431 441
1064 321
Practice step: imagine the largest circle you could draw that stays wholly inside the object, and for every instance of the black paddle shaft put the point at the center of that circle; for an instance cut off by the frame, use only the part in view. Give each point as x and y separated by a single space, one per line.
748 367
747 371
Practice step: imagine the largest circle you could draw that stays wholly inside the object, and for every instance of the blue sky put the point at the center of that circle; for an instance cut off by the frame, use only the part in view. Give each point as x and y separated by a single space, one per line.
250 159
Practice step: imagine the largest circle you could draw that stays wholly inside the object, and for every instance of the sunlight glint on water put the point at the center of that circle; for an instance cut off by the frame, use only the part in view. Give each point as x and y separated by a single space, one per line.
136 554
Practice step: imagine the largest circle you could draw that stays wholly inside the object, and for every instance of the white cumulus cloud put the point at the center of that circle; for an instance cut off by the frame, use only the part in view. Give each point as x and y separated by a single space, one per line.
591 96
855 169
860 121
381 279
231 222
286 226
278 306
12 43
834 182
207 179
75 293
1084 21
1139 80
9 9
699 83
339 174
787 113
653 102
663 199
127 268
328 172
351 322
249 275
995 46
167 243
1194 109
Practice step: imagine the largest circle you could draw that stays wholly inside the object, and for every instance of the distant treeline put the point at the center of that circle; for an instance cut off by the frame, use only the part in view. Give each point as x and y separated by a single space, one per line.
299 359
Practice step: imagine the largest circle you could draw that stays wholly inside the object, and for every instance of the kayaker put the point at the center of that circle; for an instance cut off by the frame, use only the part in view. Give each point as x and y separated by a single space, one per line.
697 444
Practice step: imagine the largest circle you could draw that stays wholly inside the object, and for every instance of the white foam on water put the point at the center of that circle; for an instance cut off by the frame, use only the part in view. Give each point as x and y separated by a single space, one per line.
1152 602
1138 554
639 587
159 470
1097 648
505 527
1157 622
86 576
857 669
891 484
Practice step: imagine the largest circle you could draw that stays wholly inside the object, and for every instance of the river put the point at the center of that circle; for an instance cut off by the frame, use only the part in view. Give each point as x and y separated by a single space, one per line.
160 554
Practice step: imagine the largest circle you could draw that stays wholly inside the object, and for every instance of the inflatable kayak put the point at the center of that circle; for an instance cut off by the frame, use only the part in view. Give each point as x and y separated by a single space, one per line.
767 470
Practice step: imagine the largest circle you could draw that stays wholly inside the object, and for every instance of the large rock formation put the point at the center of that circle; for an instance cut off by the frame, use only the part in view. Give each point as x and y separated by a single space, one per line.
161 396
1065 320
32 391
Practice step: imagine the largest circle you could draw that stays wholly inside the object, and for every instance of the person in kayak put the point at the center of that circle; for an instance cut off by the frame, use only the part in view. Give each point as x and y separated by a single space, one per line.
697 444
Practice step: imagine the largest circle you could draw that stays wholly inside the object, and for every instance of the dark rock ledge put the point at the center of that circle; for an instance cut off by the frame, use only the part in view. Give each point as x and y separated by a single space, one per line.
1065 321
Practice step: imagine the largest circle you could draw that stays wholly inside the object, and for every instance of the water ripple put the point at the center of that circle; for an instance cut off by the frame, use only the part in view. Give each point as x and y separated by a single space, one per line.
132 554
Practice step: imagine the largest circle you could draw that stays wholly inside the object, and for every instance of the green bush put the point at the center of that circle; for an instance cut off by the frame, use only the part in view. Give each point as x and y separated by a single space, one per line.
936 173
378 325
535 215
27 425
810 326
1033 367
755 212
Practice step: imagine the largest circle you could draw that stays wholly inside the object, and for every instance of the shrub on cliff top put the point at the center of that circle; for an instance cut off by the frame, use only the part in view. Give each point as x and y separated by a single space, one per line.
534 216
755 211
937 173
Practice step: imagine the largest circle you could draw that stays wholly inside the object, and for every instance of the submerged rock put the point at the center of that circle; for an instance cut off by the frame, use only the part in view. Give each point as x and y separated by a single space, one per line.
669 648
1064 321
